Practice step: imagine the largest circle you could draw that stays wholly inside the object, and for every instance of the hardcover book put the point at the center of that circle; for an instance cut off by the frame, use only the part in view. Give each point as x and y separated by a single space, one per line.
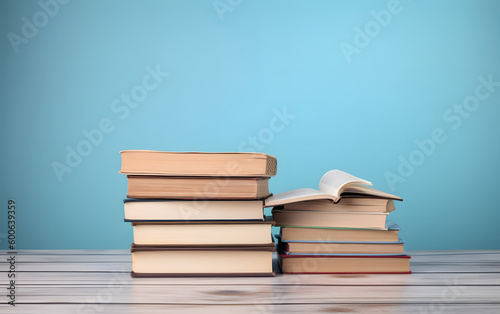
151 209
340 248
304 233
323 264
358 204
147 162
197 187
203 233
207 260
329 219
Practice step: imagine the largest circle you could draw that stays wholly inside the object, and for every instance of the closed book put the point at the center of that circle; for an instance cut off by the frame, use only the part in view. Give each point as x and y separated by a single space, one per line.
203 233
345 205
147 162
324 264
340 248
148 209
341 234
197 187
207 260
329 219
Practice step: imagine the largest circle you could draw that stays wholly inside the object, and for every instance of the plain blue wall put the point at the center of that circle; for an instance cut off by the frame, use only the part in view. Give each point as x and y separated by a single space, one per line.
359 102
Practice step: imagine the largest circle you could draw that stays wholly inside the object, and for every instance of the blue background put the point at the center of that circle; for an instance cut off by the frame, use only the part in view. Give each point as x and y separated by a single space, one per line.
229 73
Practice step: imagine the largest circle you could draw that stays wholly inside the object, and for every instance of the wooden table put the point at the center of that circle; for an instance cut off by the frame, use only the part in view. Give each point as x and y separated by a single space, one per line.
98 281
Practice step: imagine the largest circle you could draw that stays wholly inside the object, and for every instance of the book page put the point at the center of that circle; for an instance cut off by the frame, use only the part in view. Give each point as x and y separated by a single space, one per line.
333 181
355 188
298 195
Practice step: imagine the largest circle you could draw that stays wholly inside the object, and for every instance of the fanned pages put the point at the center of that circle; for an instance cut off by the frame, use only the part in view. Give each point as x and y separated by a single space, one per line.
333 185
333 181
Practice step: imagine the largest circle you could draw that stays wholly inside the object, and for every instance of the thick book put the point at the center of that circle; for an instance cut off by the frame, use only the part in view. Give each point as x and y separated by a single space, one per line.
341 235
203 233
323 264
340 248
147 162
208 260
197 187
150 209
369 205
329 219
363 200
334 185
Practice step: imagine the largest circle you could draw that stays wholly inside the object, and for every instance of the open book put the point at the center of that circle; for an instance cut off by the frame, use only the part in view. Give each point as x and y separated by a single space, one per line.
333 185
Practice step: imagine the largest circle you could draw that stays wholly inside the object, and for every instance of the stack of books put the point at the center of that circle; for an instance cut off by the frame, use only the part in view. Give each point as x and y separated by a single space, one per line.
340 228
199 214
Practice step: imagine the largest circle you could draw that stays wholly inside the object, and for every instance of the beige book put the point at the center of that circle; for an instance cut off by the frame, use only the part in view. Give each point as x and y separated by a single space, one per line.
235 232
296 264
340 235
197 187
341 206
148 162
192 210
341 248
329 219
362 200
242 260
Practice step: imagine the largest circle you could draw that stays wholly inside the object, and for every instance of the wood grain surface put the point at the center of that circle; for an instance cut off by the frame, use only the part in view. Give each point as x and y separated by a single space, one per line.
98 281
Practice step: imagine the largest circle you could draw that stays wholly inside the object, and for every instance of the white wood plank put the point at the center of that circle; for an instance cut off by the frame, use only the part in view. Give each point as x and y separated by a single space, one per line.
69 252
444 282
418 257
254 309
57 267
72 258
127 252
257 294
451 267
416 279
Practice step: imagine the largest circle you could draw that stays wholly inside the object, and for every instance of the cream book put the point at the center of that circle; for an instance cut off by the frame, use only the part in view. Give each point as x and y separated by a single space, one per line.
322 219
196 188
182 210
341 235
198 164
202 260
333 185
333 248
235 232
325 264
329 205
